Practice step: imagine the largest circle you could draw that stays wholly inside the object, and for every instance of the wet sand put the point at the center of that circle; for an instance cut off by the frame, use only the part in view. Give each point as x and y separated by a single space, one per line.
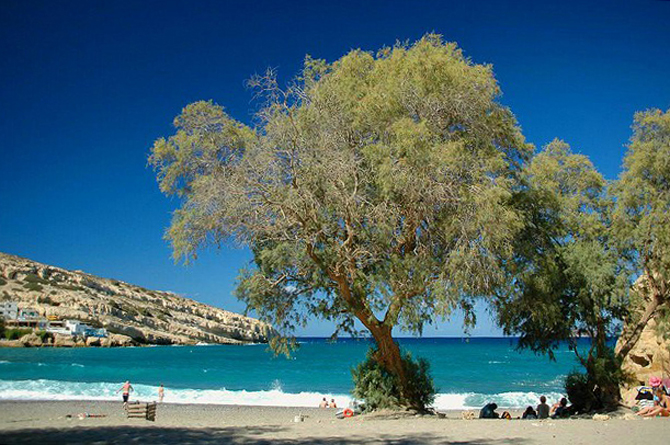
47 423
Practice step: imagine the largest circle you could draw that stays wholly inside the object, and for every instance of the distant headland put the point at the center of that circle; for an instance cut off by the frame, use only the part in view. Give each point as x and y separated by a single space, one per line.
42 305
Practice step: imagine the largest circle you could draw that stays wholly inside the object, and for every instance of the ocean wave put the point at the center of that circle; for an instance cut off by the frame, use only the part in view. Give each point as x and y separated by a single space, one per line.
4 362
60 390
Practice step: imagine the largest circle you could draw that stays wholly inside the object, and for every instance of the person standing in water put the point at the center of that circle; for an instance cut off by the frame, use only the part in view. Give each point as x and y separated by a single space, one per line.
161 393
127 388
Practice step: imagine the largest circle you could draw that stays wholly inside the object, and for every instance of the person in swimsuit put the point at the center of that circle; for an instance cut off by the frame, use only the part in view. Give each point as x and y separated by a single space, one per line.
161 393
127 388
661 407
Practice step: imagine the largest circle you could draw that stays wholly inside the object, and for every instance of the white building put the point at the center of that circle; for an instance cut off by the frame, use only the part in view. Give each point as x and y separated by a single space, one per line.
76 327
9 310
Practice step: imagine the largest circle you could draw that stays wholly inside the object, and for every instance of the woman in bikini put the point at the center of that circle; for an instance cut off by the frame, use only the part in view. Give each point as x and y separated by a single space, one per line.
661 407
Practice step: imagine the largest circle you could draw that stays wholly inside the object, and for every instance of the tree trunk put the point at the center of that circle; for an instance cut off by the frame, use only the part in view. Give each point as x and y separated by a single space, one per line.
389 356
632 334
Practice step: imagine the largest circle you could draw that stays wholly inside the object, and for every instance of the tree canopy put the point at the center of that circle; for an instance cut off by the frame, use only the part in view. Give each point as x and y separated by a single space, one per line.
379 187
569 280
642 220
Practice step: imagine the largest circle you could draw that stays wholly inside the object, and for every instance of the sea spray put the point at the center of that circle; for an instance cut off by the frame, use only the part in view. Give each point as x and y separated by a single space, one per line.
58 390
466 374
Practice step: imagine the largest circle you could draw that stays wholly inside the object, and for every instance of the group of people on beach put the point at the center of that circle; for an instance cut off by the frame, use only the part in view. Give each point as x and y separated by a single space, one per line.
127 388
542 411
324 403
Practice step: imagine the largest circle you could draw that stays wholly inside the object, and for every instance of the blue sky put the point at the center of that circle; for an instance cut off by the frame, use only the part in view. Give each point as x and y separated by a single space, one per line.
87 86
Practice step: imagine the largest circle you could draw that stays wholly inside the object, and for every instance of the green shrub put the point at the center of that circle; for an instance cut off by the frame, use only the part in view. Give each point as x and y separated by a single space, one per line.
32 278
69 287
15 334
596 389
144 311
2 281
33 286
381 389
43 335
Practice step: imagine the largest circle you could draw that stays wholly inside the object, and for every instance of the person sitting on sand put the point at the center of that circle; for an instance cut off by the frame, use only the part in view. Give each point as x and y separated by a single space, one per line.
332 403
543 408
127 388
324 403
662 407
489 412
560 409
530 413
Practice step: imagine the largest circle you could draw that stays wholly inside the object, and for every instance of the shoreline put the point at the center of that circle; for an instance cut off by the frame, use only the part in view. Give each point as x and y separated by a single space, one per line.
47 422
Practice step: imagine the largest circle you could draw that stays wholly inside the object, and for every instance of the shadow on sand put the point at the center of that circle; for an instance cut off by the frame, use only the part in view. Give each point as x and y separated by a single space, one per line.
221 436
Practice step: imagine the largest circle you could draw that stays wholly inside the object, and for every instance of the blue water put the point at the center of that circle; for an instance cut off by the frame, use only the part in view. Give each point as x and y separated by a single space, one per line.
466 373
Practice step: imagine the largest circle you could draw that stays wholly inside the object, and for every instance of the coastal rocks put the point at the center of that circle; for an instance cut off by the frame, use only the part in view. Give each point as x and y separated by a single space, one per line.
93 341
140 315
31 340
63 341
120 340
650 357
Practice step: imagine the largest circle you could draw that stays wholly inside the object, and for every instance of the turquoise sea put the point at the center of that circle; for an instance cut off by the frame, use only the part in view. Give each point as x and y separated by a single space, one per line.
467 372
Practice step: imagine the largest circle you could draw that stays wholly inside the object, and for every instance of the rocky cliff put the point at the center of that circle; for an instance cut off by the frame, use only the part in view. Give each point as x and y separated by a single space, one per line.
146 316
649 358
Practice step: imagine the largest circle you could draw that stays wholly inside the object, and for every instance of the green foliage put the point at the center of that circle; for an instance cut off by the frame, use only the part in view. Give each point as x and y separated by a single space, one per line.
597 388
381 389
33 278
47 300
579 391
570 280
381 187
69 287
145 312
43 335
379 183
33 286
14 334
2 281
642 218
643 193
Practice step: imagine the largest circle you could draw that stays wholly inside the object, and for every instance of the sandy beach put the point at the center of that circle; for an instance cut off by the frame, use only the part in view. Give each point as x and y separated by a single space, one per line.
47 422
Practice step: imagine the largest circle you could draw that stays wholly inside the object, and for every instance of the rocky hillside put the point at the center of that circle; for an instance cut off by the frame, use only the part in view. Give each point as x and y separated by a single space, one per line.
147 316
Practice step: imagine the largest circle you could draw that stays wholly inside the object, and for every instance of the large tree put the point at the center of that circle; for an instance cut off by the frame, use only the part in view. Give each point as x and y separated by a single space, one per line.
569 280
642 221
377 188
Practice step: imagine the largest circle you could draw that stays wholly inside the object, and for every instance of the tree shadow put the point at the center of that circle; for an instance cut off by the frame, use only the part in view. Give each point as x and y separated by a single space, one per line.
263 435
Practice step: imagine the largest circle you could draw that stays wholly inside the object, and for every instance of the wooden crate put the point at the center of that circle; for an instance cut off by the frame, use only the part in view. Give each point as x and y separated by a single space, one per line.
138 410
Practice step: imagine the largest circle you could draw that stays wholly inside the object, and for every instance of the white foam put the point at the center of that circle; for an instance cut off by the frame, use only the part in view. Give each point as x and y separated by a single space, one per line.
61 390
